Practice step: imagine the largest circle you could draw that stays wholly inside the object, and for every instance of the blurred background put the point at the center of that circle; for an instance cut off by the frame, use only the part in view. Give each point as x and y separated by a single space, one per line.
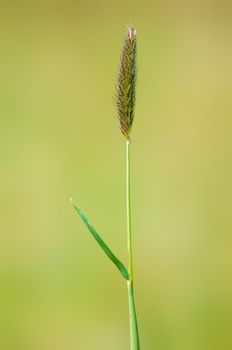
59 137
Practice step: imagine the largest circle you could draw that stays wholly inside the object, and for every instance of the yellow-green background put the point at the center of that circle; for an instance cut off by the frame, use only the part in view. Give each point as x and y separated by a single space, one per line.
59 138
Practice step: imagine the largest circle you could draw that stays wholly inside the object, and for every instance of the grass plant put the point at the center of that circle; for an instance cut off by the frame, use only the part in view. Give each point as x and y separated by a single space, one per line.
125 102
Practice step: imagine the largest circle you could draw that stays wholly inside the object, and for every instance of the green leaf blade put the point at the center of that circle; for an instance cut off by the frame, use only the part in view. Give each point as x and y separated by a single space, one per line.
122 269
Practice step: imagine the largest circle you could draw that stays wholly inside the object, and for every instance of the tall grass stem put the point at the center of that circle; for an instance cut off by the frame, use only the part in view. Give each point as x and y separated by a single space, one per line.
134 335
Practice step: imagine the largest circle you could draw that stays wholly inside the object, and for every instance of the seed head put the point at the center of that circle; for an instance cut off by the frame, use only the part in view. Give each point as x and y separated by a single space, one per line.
126 86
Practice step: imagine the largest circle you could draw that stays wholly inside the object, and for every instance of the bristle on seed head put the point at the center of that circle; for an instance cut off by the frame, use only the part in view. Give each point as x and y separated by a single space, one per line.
126 86
131 33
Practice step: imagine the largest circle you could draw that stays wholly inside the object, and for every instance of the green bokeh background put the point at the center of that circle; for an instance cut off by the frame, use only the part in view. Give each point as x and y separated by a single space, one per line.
59 138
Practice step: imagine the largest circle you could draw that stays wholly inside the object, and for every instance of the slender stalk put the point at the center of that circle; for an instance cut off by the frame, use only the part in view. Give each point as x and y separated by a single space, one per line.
134 335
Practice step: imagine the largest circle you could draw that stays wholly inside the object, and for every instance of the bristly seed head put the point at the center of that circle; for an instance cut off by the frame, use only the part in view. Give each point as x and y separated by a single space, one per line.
126 86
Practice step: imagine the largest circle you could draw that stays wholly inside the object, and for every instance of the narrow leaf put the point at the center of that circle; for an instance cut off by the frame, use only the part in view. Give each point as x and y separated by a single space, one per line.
102 244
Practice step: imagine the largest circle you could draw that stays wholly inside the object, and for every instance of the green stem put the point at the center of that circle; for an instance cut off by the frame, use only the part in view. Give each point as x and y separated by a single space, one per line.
134 336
